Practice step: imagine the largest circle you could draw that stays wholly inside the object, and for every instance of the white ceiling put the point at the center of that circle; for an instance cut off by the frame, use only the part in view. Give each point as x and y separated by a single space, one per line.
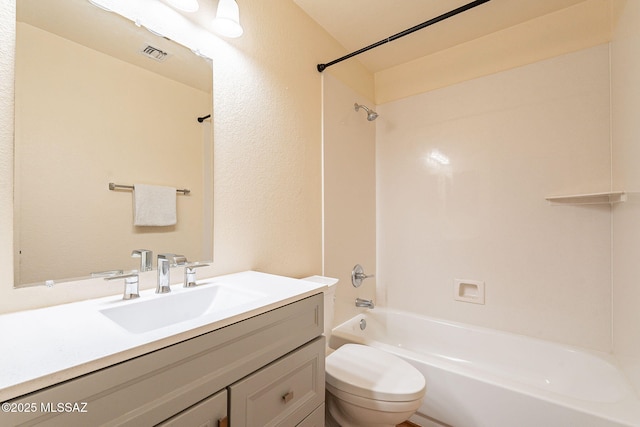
359 23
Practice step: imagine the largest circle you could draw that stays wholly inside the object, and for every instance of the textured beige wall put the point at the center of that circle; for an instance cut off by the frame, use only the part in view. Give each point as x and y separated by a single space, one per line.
7 55
267 153
268 135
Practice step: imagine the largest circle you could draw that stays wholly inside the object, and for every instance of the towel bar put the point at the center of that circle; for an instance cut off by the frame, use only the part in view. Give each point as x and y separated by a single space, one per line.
113 186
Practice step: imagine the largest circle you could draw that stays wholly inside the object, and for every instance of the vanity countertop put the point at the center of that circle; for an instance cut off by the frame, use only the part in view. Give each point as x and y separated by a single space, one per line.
49 345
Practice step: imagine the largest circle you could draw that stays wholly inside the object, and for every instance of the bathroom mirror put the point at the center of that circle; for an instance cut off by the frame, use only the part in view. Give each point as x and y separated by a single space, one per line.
100 100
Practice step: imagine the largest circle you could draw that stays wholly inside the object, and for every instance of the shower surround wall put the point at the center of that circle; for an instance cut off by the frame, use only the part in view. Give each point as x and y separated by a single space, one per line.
462 176
625 101
349 196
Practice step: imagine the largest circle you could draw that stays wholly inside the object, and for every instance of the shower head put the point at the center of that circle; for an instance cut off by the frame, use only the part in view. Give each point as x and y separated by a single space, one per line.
371 115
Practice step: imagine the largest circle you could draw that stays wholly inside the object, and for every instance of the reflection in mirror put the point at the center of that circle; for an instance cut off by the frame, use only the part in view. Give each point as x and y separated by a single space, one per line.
92 108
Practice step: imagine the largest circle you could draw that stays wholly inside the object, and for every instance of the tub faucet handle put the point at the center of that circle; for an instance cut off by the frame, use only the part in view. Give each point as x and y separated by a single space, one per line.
357 276
131 284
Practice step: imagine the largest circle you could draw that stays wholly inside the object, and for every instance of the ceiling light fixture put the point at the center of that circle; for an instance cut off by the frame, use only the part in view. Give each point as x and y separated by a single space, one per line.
185 5
227 20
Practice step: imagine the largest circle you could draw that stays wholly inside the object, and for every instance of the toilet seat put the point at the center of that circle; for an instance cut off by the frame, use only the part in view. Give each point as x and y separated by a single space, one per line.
360 373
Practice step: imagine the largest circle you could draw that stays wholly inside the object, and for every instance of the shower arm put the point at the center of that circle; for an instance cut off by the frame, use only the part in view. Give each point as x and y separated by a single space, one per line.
321 67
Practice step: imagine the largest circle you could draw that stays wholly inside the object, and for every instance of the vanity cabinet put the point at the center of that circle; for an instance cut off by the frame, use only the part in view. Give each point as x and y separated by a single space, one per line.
267 370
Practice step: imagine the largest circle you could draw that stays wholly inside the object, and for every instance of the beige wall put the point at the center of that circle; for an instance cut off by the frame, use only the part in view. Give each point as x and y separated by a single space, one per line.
142 130
267 153
7 56
349 194
268 136
625 67
511 138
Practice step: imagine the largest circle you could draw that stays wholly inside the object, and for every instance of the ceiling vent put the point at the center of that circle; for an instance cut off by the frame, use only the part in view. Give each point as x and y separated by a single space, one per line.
154 53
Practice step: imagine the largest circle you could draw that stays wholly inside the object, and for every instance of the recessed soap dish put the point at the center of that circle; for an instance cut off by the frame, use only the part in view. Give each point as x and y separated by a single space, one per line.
468 291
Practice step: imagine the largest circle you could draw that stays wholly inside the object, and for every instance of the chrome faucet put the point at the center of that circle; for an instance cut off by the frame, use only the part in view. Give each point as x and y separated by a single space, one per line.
358 275
366 303
131 284
190 274
165 262
145 256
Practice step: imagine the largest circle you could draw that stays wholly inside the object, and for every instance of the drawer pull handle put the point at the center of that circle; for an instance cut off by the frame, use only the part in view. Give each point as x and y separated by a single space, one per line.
287 397
224 422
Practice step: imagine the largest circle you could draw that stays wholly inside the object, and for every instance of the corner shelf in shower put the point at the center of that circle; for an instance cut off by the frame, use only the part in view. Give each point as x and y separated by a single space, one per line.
589 198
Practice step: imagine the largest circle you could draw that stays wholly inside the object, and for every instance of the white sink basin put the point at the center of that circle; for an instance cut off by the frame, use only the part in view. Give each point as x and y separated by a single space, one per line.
167 309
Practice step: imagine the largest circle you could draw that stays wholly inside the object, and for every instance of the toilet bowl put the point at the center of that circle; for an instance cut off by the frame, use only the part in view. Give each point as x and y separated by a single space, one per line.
367 387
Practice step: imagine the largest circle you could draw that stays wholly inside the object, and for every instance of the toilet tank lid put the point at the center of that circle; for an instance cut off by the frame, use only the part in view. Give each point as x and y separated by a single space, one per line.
374 374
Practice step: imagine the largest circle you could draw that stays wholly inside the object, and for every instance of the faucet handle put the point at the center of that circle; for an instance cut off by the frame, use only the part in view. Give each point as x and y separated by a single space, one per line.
131 284
145 256
190 273
357 276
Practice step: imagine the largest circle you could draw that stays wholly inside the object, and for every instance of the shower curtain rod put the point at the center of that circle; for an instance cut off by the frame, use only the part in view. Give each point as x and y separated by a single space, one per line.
408 31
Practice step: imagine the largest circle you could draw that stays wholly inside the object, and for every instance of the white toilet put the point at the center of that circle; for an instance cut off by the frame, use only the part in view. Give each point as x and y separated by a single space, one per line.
370 387
366 387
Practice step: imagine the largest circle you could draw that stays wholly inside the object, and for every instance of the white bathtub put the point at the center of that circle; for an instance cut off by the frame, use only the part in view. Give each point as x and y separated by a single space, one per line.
479 377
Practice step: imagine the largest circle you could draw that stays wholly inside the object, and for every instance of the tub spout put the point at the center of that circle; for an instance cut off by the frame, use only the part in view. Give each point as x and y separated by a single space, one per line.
367 303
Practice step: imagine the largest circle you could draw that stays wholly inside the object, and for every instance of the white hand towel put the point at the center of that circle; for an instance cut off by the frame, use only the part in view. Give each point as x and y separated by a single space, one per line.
154 205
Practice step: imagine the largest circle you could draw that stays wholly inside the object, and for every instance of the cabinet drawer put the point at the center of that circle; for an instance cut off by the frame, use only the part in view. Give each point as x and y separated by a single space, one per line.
316 419
211 412
283 393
